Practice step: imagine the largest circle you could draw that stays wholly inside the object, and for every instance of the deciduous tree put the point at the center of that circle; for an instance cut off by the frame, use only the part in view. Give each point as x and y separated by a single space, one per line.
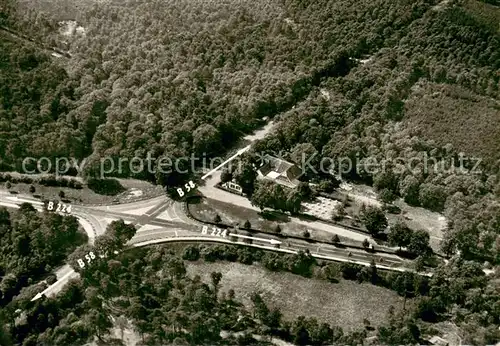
374 220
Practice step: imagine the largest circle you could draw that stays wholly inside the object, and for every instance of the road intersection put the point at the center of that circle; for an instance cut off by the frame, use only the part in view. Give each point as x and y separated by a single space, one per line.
161 220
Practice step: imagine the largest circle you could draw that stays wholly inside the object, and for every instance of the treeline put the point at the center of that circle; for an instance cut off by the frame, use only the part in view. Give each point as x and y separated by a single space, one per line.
493 2
43 180
106 186
305 265
32 245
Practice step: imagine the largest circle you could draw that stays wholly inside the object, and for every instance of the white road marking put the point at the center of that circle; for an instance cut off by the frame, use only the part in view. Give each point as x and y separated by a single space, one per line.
272 241
241 151
18 199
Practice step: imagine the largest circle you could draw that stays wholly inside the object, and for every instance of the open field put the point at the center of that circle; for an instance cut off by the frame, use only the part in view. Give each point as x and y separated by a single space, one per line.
474 127
344 304
486 13
420 218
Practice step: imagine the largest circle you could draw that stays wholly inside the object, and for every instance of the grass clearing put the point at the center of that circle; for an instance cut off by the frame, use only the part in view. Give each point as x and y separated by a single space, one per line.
420 218
344 304
487 14
414 217
134 190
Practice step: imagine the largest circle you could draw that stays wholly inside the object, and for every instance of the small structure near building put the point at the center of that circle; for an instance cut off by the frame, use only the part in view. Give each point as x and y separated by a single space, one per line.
232 186
280 171
436 340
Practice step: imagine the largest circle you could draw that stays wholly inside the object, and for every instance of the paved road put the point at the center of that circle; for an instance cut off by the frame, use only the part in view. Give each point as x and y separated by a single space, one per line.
164 220
353 258
240 152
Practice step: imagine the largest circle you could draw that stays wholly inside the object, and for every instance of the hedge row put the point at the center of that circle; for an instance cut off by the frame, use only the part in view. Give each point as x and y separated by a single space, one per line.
46 181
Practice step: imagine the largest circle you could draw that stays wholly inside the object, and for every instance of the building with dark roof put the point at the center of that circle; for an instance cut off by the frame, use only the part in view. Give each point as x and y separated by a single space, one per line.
280 171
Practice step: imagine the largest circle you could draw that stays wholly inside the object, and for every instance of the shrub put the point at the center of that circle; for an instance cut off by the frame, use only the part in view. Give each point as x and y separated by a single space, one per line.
51 279
226 176
210 254
391 208
374 219
230 253
277 229
326 186
387 196
49 181
366 243
339 213
108 186
336 239
350 271
245 256
305 190
26 180
331 272
191 253
74 184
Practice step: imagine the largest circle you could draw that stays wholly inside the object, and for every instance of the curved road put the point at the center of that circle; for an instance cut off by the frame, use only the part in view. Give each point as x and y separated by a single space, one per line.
161 220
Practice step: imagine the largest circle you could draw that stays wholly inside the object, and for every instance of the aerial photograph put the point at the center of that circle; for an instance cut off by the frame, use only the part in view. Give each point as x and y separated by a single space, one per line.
249 172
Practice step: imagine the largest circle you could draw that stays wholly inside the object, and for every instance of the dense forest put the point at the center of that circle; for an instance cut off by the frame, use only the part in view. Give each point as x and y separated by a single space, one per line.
180 80
148 290
187 76
32 245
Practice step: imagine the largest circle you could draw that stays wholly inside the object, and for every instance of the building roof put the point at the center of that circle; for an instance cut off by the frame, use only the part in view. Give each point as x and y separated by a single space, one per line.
436 340
281 171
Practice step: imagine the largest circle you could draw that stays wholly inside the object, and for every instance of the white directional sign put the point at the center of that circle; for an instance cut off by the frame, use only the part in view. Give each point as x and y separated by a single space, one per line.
214 231
272 241
217 232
